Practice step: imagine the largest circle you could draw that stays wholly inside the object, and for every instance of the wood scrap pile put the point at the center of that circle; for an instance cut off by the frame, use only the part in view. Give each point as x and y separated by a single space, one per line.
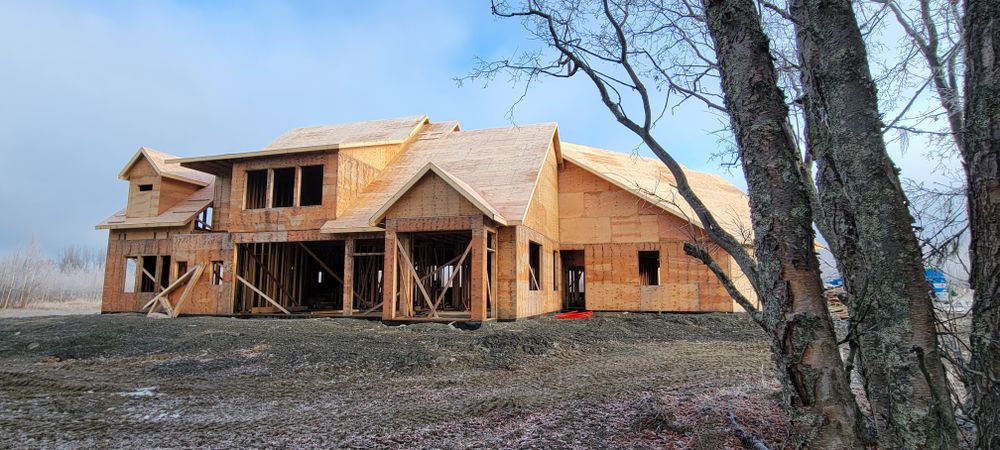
835 303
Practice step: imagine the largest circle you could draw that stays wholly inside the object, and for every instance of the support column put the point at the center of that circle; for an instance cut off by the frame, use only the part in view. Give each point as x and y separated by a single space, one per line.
406 282
389 273
479 284
347 305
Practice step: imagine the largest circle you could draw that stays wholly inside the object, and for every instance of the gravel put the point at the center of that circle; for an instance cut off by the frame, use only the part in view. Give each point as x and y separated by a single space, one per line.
611 381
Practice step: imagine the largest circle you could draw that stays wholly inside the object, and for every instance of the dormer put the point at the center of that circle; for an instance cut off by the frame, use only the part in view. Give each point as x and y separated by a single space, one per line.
155 186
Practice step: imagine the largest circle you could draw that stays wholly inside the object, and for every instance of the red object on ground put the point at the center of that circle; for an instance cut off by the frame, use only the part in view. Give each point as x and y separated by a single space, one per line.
575 315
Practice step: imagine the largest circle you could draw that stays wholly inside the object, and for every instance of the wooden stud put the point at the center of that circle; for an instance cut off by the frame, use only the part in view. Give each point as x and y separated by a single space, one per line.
262 294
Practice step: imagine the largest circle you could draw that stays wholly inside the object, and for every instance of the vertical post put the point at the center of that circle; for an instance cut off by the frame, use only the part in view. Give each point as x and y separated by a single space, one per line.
479 284
389 273
406 281
270 183
296 184
347 303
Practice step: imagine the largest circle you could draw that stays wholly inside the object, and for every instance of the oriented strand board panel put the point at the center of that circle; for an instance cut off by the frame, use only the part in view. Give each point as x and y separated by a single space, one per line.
543 211
179 215
507 272
283 219
142 203
548 298
173 192
650 180
431 197
613 225
354 134
353 177
114 298
204 248
501 165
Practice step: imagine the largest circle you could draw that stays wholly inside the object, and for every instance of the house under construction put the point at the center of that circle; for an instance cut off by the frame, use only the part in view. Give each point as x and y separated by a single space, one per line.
408 219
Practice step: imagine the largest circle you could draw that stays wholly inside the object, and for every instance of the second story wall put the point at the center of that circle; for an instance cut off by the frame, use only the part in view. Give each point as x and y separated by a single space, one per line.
143 190
281 193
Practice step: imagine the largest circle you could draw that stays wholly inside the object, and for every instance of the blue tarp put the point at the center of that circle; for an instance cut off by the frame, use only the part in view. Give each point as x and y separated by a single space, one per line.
935 277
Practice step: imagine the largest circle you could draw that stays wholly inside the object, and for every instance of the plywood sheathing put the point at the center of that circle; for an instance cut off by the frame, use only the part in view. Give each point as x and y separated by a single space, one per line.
433 192
501 165
355 134
120 246
612 225
178 215
293 218
650 180
159 163
392 132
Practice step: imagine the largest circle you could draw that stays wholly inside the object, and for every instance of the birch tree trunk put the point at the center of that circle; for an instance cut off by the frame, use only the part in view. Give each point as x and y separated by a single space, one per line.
823 410
866 220
982 165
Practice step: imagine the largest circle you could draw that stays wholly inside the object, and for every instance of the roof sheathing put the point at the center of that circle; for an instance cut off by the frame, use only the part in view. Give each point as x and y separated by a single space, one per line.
650 180
178 215
500 165
328 137
164 168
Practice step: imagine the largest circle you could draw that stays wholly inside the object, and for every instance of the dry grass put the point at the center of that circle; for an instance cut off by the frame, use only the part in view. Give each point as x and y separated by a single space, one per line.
31 280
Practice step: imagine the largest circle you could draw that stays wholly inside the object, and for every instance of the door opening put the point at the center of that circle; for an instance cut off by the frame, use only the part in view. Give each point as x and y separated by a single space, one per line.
574 280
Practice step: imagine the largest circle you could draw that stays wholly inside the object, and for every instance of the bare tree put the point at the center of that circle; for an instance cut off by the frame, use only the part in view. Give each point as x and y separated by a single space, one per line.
981 137
629 50
869 229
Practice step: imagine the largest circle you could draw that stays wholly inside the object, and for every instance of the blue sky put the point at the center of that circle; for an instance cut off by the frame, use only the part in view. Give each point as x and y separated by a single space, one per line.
84 84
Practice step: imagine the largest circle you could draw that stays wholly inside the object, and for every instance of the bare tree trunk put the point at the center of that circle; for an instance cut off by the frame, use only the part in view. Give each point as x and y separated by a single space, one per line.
982 164
870 230
794 309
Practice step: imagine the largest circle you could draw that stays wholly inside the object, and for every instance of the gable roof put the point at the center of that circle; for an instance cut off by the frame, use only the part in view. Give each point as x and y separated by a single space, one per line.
457 184
178 215
500 166
165 169
650 180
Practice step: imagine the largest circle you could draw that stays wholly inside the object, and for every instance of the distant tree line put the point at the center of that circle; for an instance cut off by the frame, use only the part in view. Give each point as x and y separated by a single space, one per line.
28 277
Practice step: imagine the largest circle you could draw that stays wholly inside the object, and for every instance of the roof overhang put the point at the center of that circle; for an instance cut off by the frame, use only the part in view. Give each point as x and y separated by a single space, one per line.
142 152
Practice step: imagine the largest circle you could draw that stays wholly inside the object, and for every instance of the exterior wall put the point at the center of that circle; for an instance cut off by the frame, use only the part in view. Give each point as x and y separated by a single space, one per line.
172 192
353 176
221 203
283 219
548 298
204 248
612 225
142 203
543 211
182 246
376 156
165 192
122 244
541 225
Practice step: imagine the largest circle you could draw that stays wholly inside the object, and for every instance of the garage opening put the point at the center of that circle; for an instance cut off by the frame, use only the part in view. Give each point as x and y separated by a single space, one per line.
289 277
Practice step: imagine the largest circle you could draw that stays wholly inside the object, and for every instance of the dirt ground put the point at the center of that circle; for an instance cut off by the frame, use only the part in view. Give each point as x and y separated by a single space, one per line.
611 381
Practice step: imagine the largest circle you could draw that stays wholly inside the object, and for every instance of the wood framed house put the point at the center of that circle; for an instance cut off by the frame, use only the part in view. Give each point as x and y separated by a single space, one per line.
408 219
